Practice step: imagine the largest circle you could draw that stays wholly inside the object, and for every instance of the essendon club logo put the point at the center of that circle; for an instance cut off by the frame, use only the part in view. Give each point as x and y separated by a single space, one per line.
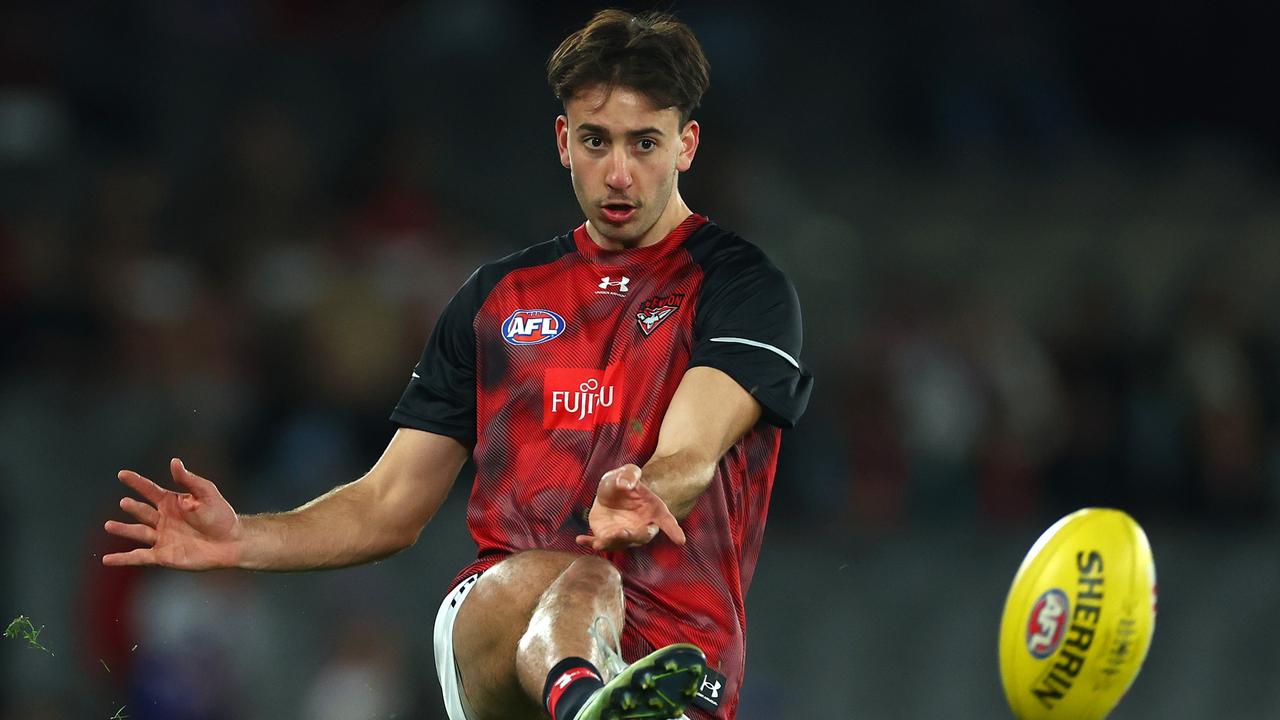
1046 624
580 398
530 327
655 310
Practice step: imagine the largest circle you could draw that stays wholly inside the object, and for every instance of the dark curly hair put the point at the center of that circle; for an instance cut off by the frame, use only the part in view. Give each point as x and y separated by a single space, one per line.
654 54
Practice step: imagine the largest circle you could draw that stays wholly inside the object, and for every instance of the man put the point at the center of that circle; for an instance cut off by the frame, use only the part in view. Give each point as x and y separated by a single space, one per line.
647 335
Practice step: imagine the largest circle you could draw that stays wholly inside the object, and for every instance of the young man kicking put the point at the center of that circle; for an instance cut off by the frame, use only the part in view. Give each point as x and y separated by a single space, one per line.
621 389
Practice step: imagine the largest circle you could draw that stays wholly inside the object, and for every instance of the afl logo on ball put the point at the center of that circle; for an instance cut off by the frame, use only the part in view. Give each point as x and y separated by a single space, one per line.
530 327
1047 622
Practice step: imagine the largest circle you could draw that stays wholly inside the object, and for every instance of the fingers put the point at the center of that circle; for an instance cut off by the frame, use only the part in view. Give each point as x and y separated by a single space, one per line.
598 543
670 527
141 556
625 477
144 487
199 487
662 516
618 538
141 533
629 476
143 512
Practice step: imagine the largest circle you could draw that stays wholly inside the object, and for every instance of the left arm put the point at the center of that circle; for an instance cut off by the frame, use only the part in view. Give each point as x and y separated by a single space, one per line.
707 415
746 334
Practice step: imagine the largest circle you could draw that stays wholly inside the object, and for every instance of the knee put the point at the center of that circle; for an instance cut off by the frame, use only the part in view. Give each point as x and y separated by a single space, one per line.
589 577
591 574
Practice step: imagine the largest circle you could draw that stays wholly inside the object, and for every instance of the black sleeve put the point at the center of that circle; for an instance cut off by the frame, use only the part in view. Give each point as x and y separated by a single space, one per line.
748 325
441 397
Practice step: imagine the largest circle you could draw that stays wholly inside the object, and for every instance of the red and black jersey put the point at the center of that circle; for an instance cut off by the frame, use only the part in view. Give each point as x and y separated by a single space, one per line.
559 362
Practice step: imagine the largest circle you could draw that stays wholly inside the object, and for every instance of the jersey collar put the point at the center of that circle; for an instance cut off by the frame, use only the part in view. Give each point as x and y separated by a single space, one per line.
638 256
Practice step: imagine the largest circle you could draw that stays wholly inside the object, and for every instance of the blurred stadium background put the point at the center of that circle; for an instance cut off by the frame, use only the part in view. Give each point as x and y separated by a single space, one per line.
1038 246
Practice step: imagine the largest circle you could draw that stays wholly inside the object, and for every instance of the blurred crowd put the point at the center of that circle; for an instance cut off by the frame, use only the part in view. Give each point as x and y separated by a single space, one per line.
226 231
1060 344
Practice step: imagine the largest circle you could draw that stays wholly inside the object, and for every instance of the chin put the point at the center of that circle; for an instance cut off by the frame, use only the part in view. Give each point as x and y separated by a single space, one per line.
628 235
627 241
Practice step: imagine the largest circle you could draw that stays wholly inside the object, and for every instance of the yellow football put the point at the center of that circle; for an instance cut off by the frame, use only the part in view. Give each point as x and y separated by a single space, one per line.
1079 618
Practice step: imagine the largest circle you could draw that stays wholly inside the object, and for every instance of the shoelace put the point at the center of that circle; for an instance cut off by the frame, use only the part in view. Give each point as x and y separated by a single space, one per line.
610 645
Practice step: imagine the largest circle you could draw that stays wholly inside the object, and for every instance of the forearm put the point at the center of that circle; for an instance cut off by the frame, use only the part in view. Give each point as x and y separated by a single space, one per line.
679 479
337 529
707 415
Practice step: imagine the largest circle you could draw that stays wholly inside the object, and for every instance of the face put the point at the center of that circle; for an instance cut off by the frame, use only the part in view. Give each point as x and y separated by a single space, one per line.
624 156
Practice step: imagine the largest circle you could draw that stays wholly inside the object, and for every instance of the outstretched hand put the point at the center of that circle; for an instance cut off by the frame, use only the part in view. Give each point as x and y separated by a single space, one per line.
193 530
627 513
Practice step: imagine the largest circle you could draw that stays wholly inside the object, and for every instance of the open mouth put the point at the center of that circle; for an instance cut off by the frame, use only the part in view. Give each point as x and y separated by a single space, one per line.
618 212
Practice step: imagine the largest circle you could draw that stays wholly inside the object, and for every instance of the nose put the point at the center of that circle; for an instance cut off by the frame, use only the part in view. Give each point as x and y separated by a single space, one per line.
619 175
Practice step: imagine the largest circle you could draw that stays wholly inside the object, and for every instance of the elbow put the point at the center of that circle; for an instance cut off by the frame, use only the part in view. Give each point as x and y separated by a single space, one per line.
397 538
391 530
398 512
408 539
385 544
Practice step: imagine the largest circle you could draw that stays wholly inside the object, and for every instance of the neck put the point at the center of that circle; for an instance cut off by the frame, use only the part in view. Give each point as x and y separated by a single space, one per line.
674 214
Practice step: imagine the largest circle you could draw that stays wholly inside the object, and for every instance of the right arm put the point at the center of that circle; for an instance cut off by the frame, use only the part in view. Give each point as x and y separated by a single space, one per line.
365 520
368 519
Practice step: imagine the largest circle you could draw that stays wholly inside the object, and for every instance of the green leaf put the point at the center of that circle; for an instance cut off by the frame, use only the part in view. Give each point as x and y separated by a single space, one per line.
21 627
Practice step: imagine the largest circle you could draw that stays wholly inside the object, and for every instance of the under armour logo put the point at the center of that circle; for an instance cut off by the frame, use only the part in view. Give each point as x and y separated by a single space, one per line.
607 282
708 695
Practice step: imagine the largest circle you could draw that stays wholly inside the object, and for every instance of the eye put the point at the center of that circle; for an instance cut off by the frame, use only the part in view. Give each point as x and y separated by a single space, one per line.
646 144
593 141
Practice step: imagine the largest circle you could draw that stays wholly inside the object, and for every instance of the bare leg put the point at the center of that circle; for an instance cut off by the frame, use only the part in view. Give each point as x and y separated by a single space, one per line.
523 616
587 589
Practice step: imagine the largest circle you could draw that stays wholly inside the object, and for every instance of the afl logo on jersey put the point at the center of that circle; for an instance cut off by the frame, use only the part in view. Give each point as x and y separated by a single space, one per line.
530 327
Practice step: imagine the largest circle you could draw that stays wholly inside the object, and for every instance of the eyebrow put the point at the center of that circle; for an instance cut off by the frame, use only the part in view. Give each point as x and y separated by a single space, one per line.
602 130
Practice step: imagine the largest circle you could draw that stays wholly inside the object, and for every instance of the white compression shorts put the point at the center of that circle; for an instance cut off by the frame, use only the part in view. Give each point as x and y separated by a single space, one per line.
455 703
446 669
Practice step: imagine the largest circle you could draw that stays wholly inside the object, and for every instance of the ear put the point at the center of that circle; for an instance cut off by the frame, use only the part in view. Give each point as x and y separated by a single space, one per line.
688 145
562 139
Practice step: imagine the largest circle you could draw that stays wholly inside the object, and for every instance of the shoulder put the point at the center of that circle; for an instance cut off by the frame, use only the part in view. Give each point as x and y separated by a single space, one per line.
477 288
543 253
713 246
727 258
